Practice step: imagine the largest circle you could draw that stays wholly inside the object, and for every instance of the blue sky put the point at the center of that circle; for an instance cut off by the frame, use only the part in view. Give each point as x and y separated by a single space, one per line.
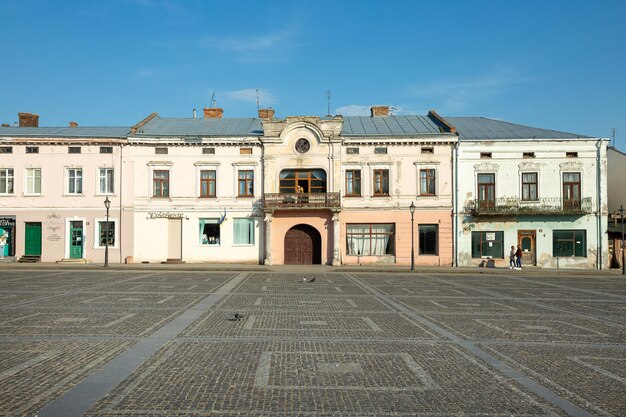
552 64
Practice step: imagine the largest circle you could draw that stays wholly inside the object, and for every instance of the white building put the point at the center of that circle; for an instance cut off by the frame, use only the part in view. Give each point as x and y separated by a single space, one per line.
541 189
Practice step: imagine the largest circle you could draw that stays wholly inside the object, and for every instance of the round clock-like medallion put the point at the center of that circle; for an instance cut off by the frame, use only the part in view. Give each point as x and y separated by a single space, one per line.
302 145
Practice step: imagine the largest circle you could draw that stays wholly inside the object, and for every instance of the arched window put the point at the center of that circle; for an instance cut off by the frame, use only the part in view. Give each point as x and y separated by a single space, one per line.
302 181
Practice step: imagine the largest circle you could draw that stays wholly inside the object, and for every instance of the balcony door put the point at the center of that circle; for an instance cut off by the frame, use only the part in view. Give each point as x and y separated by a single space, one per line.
571 190
302 181
486 190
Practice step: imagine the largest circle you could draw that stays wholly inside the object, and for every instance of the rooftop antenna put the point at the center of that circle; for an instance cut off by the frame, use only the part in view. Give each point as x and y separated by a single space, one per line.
392 109
328 98
257 100
212 103
613 138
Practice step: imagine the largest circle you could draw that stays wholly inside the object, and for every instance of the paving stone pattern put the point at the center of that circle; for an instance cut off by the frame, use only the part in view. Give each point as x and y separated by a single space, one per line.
348 344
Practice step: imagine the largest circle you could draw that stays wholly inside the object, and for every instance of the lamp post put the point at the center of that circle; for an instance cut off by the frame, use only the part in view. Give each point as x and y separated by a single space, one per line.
621 215
412 210
107 205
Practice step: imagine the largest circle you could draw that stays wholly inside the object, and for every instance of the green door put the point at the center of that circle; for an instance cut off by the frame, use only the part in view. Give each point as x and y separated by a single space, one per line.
76 240
32 234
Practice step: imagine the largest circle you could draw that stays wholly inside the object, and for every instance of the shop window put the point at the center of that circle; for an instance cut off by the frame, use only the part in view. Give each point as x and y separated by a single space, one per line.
75 181
33 181
106 231
6 181
428 239
243 233
370 239
353 182
487 245
209 231
569 243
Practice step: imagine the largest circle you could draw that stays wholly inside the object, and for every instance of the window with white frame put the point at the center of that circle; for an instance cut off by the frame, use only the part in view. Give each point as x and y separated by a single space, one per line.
107 182
427 181
6 181
243 233
370 239
33 181
74 180
209 231
105 231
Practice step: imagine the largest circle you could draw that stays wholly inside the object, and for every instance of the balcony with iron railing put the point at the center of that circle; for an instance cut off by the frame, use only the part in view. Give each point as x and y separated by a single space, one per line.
512 206
273 201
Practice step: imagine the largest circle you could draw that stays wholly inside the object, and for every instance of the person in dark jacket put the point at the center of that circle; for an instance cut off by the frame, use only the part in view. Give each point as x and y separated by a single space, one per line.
518 255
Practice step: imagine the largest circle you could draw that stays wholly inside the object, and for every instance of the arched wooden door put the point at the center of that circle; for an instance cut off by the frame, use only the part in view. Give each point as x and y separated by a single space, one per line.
303 246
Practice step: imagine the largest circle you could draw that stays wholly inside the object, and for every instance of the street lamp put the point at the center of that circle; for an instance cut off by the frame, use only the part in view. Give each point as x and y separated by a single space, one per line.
621 215
107 205
412 210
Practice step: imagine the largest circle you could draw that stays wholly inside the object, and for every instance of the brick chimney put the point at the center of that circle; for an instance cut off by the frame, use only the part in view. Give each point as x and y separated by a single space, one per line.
73 124
213 113
379 111
266 113
28 119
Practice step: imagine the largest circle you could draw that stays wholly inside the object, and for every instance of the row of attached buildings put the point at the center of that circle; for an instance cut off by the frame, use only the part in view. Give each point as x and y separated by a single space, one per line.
306 190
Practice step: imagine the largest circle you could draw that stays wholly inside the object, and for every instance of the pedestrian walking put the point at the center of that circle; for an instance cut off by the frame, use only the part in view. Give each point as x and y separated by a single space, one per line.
512 258
518 255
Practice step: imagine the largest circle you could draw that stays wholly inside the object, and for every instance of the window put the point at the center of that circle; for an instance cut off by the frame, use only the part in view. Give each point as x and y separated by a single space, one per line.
73 149
243 231
106 180
6 181
352 151
209 231
485 155
6 149
75 181
428 150
302 181
353 182
246 183
207 183
245 151
571 190
529 186
381 182
571 154
33 181
106 149
106 231
569 243
161 151
527 155
208 151
371 239
486 190
487 245
428 239
427 182
161 183
380 150
32 149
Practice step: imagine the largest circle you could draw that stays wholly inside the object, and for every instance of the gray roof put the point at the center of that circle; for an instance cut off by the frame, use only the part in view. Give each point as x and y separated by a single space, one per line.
201 127
389 126
481 128
65 132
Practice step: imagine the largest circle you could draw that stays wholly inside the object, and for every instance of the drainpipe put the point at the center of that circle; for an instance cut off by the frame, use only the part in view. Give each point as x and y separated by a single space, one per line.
599 204
119 220
455 199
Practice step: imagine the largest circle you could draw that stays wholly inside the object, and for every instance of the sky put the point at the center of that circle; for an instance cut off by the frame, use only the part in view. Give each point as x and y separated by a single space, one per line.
554 64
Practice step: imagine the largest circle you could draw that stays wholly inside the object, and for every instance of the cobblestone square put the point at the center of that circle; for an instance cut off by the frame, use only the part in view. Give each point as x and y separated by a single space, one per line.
165 342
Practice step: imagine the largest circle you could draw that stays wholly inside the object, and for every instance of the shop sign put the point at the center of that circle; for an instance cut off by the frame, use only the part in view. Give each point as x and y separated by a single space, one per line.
166 215
7 221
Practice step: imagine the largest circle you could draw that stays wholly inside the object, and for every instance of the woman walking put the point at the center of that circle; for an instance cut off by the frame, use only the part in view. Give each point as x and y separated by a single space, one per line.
518 255
512 258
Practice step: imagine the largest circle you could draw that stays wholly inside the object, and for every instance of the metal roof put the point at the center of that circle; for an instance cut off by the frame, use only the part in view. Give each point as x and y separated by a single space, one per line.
201 127
65 132
481 128
389 126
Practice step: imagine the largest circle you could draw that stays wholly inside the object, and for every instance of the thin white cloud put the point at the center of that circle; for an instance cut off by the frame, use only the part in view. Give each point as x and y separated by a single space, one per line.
353 110
249 95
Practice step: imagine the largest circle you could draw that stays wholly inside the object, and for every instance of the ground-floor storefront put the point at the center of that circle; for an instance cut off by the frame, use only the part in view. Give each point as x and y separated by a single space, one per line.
546 241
